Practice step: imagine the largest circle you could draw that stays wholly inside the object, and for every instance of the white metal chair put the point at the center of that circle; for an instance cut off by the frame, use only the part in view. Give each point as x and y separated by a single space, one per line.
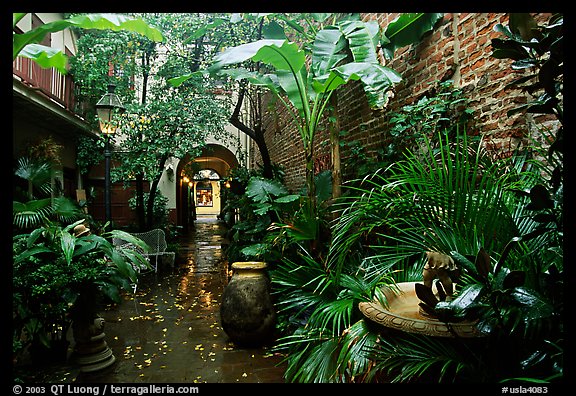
156 240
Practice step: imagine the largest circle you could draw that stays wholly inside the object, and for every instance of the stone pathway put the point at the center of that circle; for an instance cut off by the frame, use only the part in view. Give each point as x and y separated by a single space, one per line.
169 330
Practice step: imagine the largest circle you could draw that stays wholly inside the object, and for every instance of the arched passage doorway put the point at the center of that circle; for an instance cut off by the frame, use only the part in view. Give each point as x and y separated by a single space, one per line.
199 181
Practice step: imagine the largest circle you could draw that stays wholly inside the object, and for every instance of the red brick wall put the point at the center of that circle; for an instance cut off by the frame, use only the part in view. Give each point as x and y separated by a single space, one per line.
459 49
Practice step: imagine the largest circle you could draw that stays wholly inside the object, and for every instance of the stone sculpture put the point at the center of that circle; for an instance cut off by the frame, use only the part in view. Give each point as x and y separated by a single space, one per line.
439 265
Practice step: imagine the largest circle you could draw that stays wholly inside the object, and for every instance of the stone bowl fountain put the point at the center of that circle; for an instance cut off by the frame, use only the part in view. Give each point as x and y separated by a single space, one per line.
404 313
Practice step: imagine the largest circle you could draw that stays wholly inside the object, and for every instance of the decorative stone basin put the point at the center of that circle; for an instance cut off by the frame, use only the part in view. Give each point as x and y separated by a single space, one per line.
404 314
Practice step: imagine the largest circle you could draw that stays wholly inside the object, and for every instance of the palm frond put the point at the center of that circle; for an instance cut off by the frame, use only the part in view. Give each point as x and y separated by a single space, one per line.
32 213
353 359
408 359
333 316
310 357
452 197
38 174
67 210
37 211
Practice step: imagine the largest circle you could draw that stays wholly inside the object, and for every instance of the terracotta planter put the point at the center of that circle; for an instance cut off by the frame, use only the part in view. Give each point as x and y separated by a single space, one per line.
247 313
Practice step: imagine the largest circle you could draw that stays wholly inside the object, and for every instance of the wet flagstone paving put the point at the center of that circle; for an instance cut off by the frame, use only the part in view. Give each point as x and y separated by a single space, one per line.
169 330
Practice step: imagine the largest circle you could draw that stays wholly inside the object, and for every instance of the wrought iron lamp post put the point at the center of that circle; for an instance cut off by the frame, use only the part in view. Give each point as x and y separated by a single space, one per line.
107 107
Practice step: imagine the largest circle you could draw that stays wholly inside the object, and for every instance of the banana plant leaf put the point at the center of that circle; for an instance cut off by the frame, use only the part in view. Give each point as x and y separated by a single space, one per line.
407 29
327 51
362 38
48 57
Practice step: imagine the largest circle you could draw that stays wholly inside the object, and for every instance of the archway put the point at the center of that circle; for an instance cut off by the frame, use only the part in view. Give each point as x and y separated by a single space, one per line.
198 183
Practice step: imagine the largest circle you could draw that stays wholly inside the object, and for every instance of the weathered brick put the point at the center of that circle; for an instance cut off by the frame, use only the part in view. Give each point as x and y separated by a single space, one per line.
465 48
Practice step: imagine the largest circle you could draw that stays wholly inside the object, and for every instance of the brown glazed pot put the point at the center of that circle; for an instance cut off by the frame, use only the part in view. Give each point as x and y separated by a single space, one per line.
247 312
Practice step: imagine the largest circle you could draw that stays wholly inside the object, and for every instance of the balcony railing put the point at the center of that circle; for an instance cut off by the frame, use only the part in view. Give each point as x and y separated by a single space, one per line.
50 82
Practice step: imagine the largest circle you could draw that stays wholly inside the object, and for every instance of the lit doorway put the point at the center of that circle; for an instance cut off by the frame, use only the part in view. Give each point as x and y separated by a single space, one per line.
206 192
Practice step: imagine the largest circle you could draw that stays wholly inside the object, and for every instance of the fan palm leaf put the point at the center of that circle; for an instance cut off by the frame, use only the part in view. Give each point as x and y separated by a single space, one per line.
353 359
417 203
35 212
37 173
408 359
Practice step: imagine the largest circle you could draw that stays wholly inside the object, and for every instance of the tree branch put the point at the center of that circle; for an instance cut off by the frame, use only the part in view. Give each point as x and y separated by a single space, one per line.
235 117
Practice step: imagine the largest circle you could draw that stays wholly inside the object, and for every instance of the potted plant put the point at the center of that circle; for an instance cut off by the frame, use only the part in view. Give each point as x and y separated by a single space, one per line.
63 274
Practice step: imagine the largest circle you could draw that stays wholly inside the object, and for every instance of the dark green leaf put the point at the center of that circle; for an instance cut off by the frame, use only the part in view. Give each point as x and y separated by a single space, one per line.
463 262
483 264
287 198
514 279
522 25
535 306
540 198
274 31
263 190
426 294
467 297
31 252
408 28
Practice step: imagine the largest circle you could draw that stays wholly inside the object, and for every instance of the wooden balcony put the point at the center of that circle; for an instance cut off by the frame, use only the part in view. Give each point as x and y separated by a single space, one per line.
49 82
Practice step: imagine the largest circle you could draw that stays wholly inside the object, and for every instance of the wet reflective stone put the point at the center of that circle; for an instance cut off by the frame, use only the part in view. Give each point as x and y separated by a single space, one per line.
169 331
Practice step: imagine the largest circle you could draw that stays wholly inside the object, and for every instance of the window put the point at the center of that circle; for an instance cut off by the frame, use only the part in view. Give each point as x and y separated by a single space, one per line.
204 194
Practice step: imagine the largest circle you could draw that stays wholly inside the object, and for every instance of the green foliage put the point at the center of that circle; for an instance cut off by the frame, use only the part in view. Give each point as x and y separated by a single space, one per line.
270 219
457 200
89 152
59 277
160 216
174 123
407 29
538 50
343 52
36 206
421 203
38 174
25 44
96 52
326 339
442 110
258 202
406 358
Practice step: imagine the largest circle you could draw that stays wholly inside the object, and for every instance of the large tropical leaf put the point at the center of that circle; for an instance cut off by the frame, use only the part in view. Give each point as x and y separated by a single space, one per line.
244 52
362 38
114 22
327 51
287 56
46 57
31 252
264 190
376 79
284 56
407 29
